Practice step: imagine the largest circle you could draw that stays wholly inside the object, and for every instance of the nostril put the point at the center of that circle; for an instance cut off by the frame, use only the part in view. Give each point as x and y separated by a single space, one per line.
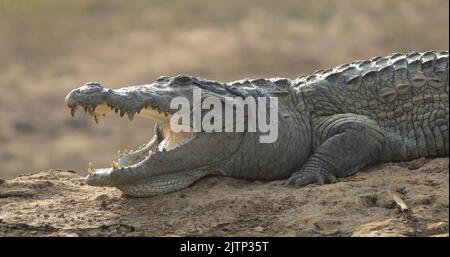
92 87
93 84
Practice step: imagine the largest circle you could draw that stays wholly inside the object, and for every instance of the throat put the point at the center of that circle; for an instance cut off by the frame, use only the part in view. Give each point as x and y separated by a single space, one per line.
171 139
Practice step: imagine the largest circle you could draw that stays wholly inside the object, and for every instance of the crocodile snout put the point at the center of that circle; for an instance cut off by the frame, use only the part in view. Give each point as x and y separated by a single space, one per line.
91 93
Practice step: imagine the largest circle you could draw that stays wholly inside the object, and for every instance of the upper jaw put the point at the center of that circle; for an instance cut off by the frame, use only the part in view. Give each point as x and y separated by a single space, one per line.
97 101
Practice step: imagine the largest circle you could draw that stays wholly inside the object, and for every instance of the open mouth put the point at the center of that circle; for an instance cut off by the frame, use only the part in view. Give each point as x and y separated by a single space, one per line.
171 160
164 140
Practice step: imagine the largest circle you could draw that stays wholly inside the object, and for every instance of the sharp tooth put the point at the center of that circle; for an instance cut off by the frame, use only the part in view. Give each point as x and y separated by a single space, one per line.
114 165
90 168
122 113
73 110
139 111
116 110
130 116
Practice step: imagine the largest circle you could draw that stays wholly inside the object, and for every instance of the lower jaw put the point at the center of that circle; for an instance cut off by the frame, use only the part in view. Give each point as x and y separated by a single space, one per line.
163 184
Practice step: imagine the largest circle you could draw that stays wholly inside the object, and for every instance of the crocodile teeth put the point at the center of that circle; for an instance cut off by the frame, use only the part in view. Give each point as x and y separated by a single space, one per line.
114 165
96 119
130 116
73 110
122 113
116 110
90 168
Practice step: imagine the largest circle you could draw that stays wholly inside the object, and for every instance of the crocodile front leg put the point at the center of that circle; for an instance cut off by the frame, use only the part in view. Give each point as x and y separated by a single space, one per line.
345 143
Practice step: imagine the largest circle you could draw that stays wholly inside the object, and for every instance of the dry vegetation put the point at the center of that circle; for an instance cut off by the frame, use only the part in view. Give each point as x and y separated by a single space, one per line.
49 47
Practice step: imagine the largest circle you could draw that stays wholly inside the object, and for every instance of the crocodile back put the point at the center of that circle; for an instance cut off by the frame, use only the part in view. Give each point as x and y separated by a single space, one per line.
406 94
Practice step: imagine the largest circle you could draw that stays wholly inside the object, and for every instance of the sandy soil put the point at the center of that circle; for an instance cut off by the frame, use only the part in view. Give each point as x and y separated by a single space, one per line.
59 203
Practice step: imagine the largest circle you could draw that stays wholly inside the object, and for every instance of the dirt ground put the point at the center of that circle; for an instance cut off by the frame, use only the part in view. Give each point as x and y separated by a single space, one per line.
59 203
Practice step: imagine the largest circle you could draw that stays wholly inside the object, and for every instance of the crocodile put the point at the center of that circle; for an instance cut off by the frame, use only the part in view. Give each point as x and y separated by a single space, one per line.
331 124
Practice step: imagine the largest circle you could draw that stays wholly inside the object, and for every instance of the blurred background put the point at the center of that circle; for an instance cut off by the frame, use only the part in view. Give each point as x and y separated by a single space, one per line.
48 47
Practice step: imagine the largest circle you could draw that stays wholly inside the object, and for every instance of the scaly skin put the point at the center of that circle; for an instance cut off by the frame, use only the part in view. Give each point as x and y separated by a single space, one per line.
331 124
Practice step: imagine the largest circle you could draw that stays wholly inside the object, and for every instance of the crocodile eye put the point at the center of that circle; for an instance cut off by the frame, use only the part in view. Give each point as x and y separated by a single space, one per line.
182 80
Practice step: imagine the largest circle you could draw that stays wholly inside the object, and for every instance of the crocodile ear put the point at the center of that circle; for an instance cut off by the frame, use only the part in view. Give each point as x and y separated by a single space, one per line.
182 80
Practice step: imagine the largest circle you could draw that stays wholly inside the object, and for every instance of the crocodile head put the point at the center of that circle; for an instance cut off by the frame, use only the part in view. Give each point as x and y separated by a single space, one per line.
171 160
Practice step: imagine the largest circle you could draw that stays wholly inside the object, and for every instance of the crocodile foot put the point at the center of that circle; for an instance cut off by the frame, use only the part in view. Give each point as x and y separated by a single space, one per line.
309 176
